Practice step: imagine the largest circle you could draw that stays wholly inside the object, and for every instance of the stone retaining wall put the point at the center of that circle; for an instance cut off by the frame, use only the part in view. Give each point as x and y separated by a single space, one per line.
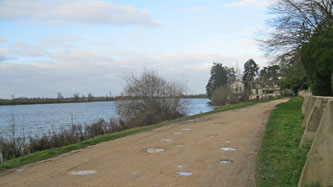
318 124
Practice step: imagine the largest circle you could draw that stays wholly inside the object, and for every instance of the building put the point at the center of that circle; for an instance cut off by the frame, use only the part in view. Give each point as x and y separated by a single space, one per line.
237 93
261 91
237 87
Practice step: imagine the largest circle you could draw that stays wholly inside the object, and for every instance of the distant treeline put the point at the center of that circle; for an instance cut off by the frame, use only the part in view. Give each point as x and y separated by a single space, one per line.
195 96
43 100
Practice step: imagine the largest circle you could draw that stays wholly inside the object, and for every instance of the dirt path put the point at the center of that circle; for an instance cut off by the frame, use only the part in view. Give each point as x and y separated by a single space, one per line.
192 147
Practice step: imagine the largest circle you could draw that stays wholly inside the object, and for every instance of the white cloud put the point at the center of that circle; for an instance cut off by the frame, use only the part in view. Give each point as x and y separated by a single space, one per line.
4 50
62 41
87 71
2 58
21 49
82 56
48 69
96 12
4 54
2 39
195 10
251 3
33 80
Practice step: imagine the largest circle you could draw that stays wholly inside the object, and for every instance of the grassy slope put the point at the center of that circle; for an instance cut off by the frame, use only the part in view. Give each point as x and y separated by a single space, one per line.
46 154
281 160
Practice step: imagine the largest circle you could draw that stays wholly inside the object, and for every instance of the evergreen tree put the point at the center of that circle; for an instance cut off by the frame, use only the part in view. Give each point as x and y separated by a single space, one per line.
231 75
295 78
264 75
250 71
270 75
218 77
274 73
317 57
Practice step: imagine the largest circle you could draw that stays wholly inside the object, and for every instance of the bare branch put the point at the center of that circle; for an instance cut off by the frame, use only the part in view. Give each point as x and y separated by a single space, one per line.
294 24
150 99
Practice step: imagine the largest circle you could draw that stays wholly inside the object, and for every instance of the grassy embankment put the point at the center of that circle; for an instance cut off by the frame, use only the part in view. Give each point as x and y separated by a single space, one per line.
46 154
281 159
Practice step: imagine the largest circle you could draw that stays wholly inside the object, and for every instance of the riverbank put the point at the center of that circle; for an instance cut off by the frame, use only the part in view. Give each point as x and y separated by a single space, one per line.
46 154
281 159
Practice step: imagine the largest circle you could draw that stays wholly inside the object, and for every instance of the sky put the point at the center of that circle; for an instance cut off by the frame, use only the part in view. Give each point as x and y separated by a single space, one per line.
91 46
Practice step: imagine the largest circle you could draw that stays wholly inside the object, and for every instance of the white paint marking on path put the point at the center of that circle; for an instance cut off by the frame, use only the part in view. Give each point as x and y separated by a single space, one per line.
228 149
184 173
152 150
225 162
84 172
165 140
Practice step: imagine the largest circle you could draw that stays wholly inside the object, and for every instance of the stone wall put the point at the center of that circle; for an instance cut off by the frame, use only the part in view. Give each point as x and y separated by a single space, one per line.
318 124
305 93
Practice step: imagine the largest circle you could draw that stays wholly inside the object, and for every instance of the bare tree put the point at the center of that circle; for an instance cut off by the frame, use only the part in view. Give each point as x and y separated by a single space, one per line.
221 96
76 97
238 72
13 99
294 23
150 99
90 96
59 95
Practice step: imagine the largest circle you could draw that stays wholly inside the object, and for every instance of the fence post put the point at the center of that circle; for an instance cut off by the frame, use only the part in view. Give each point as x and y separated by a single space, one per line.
332 82
1 158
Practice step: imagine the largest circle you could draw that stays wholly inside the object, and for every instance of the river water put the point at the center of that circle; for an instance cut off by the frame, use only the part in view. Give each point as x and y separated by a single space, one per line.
35 120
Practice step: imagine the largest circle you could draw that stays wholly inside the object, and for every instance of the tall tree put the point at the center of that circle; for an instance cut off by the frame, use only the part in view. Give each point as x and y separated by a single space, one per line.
218 77
270 75
274 74
294 78
294 23
231 74
250 71
317 57
264 75
238 72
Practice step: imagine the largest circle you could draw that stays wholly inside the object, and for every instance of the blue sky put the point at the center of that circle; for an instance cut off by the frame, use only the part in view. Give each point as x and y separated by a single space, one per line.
89 46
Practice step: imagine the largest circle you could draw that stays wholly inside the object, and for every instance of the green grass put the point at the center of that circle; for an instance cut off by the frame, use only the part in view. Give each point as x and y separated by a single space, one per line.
281 159
50 153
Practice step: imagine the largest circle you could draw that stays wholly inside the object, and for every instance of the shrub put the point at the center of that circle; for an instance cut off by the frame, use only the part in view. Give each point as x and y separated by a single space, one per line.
150 99
13 147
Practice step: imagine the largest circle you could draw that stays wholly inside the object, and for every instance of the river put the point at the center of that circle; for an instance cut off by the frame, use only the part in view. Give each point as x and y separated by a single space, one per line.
35 120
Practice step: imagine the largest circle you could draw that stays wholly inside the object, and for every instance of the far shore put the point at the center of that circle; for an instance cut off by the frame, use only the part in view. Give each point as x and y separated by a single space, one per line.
31 101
